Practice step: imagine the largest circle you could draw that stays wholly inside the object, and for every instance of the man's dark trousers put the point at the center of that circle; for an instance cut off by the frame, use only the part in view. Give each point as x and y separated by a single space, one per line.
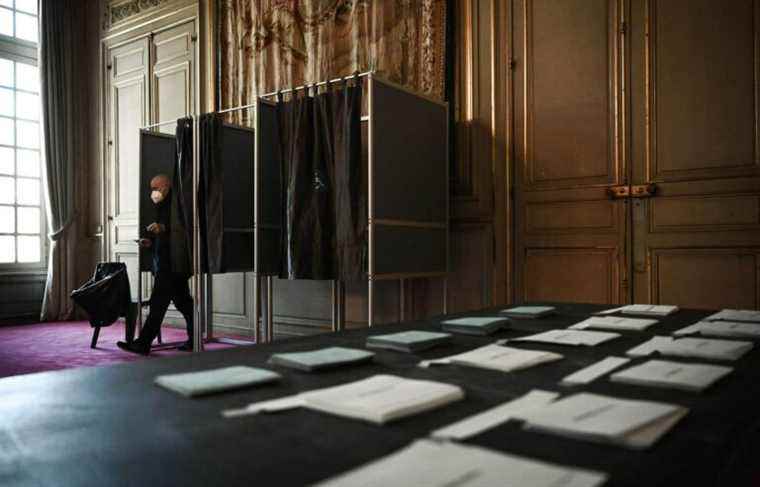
167 287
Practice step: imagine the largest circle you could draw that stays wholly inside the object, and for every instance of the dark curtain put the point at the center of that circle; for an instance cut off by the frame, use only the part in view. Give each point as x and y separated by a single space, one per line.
325 193
182 199
210 194
62 38
350 184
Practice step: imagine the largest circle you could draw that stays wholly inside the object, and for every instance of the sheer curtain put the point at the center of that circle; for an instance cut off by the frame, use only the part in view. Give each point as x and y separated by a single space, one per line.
64 122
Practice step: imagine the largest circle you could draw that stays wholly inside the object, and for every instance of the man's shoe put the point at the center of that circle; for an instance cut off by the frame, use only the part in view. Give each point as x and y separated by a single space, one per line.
186 347
133 347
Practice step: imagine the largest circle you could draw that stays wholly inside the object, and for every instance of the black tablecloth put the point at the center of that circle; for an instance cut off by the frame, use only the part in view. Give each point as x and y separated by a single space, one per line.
112 426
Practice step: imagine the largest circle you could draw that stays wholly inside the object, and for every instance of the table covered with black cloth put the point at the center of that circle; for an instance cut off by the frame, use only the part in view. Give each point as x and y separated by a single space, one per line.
113 426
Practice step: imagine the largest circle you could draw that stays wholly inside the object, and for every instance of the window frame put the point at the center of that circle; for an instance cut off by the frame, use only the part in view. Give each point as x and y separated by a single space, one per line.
26 52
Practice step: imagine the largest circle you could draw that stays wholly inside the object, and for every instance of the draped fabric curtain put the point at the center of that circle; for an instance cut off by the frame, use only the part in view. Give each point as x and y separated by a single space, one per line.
324 184
62 37
268 45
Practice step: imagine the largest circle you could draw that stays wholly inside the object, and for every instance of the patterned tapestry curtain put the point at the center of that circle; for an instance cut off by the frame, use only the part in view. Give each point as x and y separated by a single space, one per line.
268 45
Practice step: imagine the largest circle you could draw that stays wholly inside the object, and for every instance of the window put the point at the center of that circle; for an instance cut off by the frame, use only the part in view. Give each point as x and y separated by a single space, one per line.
22 219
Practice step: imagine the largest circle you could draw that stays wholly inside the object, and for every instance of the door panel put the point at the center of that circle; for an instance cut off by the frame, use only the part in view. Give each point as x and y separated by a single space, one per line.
696 242
173 89
569 236
127 112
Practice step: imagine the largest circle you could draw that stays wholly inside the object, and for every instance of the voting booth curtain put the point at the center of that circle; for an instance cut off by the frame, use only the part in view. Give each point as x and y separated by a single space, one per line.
324 234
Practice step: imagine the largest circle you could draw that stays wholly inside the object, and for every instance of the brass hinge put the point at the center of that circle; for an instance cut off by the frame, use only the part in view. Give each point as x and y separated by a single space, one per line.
512 64
623 28
194 37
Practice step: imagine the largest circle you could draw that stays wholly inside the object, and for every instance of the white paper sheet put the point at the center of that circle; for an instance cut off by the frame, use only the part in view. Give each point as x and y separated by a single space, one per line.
491 418
382 398
674 375
569 337
634 424
727 329
495 357
427 463
743 315
271 406
614 323
594 371
705 348
641 309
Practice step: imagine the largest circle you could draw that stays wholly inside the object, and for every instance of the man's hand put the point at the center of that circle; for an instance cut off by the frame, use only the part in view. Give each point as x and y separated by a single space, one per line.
156 228
144 242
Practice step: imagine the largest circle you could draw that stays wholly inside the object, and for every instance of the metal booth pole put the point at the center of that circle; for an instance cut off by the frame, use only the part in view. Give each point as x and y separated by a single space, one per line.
198 316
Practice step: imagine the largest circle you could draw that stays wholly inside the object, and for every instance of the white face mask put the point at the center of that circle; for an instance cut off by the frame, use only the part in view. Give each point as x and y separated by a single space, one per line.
156 196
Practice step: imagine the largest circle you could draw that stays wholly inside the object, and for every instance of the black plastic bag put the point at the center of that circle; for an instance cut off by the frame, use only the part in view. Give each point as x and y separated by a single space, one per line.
106 296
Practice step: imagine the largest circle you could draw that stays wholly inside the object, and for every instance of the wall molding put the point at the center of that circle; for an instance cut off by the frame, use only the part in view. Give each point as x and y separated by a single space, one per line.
117 13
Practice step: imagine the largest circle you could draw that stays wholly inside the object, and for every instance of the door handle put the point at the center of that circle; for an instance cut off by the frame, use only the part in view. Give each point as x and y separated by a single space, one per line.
635 191
619 192
643 190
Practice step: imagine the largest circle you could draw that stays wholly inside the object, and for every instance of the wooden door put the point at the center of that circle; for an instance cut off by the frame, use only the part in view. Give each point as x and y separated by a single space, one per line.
173 74
128 110
568 150
694 72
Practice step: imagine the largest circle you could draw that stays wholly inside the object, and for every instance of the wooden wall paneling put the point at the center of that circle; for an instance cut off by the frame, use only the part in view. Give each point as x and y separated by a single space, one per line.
569 143
695 127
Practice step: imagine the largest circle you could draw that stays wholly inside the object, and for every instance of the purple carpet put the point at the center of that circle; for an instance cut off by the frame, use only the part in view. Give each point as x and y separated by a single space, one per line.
54 346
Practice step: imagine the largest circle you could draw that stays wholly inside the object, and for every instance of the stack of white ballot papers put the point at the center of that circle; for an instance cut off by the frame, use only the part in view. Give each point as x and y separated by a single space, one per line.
569 337
496 357
705 348
475 325
378 399
324 358
741 315
529 311
614 323
192 384
642 310
729 329
672 375
408 341
628 423
427 463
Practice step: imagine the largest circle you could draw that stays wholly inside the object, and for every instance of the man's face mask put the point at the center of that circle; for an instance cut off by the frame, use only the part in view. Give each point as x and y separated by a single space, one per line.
157 196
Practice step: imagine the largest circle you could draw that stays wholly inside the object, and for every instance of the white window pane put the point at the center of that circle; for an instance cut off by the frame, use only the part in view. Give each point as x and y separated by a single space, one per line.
7 249
28 220
6 160
27 77
6 102
28 192
7 190
6 72
6 132
26 27
27 134
28 249
28 163
29 6
6 22
27 106
7 220
6 3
